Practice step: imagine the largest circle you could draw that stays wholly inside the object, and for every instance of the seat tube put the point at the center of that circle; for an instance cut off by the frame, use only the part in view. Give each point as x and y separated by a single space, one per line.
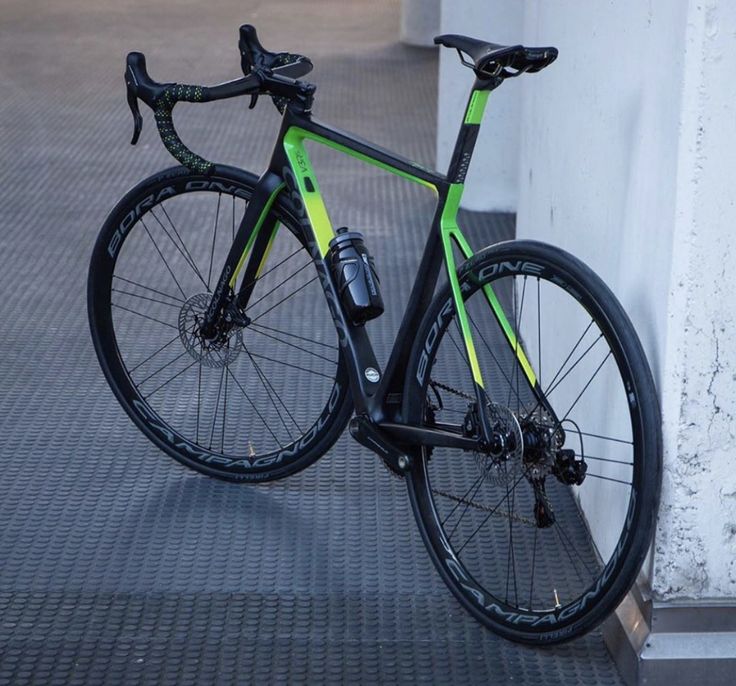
451 234
468 134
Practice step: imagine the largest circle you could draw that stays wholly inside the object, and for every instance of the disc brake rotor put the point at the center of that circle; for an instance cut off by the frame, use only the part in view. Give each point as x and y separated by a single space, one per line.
499 470
215 353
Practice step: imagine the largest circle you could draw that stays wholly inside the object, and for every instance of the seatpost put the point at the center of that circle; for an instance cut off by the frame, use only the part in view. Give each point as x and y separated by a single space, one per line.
468 133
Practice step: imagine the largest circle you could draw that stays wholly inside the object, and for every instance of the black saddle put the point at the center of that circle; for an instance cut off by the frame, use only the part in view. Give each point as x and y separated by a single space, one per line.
492 60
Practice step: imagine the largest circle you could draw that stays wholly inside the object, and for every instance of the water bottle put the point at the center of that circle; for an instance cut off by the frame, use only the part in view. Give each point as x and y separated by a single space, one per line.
355 276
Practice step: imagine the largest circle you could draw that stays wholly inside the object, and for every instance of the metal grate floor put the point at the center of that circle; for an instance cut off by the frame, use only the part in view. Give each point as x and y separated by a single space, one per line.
117 564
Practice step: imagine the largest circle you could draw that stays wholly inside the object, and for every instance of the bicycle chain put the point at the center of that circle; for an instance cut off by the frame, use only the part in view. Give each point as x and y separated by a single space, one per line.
452 390
464 501
484 508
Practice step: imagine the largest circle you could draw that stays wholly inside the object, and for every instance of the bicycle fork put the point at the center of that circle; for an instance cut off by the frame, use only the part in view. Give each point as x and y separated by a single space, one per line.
253 238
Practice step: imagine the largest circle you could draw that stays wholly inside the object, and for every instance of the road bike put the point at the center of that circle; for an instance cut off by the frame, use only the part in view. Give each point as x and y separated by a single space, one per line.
517 403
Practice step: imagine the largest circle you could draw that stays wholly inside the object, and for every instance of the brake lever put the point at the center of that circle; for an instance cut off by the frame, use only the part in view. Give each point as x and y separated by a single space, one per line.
133 104
253 100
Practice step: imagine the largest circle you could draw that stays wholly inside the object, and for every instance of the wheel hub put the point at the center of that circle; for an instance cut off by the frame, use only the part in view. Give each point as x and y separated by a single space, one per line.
215 352
506 444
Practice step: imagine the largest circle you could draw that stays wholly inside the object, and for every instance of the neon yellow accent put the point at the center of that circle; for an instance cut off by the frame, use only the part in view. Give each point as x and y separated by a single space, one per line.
253 235
476 107
314 205
451 232
267 251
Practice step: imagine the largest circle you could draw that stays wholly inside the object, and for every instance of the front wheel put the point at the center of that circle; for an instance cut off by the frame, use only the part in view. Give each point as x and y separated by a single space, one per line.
540 535
260 402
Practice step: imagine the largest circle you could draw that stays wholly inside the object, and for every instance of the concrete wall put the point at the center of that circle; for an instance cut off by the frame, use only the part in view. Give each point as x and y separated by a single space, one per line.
624 154
492 180
626 159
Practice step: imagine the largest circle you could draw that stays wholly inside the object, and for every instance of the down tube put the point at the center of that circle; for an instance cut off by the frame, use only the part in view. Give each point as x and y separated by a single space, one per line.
363 368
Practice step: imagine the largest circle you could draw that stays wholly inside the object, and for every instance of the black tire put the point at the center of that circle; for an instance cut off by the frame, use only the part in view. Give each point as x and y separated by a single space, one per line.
129 311
517 580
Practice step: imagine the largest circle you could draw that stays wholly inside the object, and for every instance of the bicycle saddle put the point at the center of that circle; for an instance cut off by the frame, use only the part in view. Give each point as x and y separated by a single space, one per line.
490 59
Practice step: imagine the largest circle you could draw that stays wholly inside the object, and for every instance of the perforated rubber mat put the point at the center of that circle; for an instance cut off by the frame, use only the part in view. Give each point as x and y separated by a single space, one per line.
117 565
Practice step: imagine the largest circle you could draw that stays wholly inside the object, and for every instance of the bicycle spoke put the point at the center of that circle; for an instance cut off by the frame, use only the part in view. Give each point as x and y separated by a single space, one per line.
160 369
607 478
277 286
572 352
214 240
574 549
293 335
606 438
291 345
153 354
554 385
199 400
516 371
557 530
266 384
144 297
291 295
184 253
587 385
293 366
606 459
511 558
253 405
534 561
217 405
233 215
224 416
467 505
489 515
166 264
148 288
567 373
462 355
183 244
276 266
495 359
278 397
462 498
539 333
145 316
146 397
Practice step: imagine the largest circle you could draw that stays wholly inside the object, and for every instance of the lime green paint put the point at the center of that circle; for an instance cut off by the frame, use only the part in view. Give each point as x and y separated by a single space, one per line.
451 232
476 107
314 206
253 235
296 134
313 202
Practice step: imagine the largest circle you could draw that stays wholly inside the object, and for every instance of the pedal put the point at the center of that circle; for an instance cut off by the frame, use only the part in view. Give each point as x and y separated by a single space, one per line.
368 434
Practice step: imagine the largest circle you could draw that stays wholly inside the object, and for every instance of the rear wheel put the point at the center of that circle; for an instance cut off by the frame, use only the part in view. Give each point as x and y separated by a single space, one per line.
260 402
540 535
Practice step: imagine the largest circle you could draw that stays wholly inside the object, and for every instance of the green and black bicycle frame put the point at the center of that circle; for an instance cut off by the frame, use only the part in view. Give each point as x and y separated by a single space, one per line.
381 420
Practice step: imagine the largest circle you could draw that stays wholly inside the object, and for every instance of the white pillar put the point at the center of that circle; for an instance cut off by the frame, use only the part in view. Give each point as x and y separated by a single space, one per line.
420 21
492 180
627 159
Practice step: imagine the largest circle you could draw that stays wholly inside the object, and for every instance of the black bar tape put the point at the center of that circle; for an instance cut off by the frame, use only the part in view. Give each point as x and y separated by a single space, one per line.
162 113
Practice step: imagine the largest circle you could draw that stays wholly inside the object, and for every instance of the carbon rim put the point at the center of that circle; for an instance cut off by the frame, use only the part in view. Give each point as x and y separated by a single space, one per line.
234 406
481 523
